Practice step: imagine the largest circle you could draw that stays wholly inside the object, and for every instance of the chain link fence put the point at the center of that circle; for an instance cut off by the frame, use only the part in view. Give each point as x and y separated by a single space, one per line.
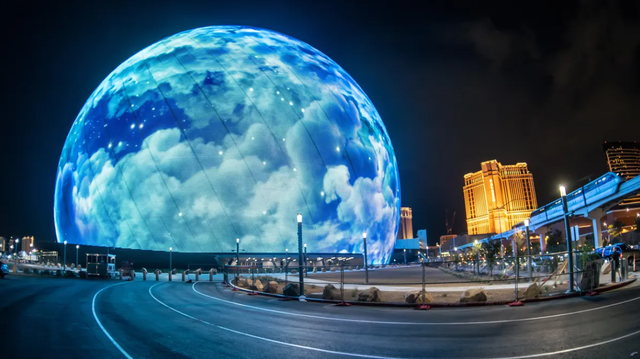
494 280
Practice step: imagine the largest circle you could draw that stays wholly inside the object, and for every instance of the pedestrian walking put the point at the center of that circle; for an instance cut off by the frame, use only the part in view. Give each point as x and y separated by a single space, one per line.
615 259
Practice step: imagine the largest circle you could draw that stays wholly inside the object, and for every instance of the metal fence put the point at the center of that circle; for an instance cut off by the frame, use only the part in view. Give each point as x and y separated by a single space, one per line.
503 280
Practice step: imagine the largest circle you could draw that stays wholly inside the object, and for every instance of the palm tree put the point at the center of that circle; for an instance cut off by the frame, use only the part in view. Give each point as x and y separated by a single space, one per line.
615 229
491 251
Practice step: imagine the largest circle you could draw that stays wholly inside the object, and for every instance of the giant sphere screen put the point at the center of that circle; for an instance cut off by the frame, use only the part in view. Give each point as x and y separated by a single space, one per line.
229 132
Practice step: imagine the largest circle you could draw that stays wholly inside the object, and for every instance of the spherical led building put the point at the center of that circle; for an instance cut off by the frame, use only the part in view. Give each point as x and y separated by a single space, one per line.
229 132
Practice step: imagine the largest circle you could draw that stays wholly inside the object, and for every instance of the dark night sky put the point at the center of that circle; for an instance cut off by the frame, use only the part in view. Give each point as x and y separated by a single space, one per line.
456 84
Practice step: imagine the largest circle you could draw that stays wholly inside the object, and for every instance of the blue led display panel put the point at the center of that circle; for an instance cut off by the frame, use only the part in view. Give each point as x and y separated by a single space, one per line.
228 132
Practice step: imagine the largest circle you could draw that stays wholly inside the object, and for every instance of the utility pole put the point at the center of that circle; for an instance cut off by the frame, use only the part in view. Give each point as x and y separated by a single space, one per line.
300 255
567 227
366 264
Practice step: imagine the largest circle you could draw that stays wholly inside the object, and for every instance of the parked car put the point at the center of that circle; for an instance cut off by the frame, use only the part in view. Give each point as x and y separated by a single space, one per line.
626 252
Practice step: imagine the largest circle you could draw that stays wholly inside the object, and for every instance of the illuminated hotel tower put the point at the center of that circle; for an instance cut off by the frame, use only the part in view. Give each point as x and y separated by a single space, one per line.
498 197
624 159
406 223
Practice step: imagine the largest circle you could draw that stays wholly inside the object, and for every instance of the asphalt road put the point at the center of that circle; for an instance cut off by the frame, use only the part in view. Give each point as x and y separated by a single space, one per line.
53 318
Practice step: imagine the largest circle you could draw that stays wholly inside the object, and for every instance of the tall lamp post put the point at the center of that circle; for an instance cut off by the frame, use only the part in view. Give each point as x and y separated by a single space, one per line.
300 255
65 255
77 247
526 226
170 259
306 272
477 250
405 256
439 252
366 264
15 255
237 258
567 227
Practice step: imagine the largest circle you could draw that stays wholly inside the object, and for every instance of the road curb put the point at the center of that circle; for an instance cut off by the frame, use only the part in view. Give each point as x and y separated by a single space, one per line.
440 305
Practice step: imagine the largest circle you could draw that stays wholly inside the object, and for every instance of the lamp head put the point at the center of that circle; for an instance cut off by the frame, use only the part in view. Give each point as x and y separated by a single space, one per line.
299 217
526 223
237 240
364 235
170 249
77 246
563 191
305 245
65 243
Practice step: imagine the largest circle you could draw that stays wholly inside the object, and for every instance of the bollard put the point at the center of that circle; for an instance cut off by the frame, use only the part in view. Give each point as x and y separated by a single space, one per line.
183 276
211 275
157 275
197 275
170 275
144 274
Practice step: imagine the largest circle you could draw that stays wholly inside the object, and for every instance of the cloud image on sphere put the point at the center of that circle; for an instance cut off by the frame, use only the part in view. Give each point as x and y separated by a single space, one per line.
228 132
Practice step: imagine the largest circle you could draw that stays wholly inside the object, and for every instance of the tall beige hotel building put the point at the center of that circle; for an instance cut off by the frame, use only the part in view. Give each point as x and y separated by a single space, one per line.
498 196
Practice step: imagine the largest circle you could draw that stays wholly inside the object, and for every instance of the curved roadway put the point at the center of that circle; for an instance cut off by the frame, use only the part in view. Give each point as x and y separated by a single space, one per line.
207 320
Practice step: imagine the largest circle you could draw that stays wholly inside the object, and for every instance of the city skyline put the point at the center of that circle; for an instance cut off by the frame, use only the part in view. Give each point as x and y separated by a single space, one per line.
454 85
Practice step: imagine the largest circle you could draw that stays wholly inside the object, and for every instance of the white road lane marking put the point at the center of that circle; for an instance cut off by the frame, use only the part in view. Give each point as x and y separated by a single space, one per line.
373 356
265 339
416 323
95 316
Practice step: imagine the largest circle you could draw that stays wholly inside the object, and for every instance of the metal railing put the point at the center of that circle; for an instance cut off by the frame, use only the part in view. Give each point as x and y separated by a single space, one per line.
498 280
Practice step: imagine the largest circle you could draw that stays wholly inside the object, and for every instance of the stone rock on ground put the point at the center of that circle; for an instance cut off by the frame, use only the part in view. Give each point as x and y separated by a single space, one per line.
416 297
292 290
370 295
257 285
271 287
244 282
330 292
473 295
533 291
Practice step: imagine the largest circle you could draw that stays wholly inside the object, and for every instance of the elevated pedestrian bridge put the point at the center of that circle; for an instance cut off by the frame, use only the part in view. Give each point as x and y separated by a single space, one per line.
590 201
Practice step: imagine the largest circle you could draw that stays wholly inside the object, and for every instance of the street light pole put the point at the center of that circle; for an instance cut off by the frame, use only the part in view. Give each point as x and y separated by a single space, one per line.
567 227
366 264
300 255
77 247
65 255
405 256
171 259
15 255
237 259
306 272
526 224
475 244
